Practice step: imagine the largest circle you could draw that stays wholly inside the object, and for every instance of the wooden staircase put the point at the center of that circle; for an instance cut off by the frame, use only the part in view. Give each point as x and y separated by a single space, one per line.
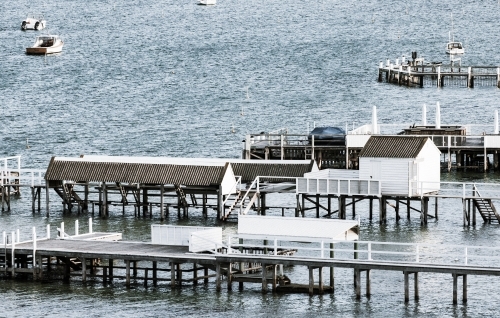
68 194
230 209
181 195
486 208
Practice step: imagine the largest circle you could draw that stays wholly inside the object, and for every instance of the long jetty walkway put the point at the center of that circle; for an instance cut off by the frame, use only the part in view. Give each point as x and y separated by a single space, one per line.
239 260
419 74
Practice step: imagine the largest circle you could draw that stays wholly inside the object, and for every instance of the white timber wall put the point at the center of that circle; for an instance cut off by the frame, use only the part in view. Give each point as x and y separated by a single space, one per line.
429 170
175 235
228 181
392 172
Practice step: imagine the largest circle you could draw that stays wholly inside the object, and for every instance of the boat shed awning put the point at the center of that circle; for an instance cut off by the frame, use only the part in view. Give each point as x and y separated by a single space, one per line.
247 169
138 171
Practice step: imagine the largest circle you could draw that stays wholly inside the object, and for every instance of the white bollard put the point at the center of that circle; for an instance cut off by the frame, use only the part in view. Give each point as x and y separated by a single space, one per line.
374 121
424 115
388 63
48 231
397 61
381 65
76 227
62 230
90 225
496 122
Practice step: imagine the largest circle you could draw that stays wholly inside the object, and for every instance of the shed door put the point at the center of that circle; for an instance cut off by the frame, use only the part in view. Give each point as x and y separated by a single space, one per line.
375 169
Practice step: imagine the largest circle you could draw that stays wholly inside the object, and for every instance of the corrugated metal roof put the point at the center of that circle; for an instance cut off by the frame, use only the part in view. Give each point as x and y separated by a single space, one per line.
251 169
393 147
83 171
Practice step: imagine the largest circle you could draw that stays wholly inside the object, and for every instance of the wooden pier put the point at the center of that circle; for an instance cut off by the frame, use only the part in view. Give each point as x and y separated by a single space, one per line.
142 263
417 73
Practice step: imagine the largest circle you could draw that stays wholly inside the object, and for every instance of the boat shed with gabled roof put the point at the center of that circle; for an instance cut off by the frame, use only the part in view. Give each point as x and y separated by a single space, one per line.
405 165
148 178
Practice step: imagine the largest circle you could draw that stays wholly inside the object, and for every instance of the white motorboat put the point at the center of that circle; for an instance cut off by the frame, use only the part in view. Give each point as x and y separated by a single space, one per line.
33 22
453 47
46 44
207 2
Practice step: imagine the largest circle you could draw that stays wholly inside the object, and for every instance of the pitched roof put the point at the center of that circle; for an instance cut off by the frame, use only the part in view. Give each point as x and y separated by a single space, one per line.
84 171
247 169
279 168
393 147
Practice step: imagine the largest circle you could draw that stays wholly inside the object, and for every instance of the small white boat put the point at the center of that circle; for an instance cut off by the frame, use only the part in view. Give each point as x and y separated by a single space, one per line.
33 22
207 2
46 44
455 48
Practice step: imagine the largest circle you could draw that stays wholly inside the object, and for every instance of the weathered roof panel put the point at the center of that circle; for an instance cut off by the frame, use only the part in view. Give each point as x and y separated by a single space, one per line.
393 147
134 173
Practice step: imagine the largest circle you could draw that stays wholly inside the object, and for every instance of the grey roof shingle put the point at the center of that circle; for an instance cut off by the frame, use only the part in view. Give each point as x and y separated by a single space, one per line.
249 170
83 171
393 147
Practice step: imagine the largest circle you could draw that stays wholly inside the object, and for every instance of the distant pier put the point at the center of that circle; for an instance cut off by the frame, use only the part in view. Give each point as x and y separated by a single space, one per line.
418 73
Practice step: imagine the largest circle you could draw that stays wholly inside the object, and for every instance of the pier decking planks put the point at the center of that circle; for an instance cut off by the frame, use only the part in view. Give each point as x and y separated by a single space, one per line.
174 256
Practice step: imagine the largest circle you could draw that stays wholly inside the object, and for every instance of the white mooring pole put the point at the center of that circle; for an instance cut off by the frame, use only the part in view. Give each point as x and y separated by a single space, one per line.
496 122
424 115
438 116
374 121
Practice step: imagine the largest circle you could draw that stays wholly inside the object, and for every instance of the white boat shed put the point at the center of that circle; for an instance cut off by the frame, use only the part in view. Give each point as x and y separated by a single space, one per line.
405 165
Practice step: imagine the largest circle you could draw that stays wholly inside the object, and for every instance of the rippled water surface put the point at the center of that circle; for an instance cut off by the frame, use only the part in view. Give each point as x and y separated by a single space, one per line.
170 78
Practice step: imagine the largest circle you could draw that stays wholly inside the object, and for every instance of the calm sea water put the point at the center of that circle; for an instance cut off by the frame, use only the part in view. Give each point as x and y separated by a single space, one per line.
170 78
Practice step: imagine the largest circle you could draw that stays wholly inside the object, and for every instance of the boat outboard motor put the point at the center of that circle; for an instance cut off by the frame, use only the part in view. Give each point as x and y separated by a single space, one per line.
23 25
37 24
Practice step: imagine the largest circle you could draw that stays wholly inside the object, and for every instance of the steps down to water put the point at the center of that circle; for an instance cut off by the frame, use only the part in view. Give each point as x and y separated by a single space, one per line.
486 208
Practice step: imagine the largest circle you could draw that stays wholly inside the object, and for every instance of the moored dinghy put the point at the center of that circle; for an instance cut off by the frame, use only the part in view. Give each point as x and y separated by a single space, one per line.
46 44
33 22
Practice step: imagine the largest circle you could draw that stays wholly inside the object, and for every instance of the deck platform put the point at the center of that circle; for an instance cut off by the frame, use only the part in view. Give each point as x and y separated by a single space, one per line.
83 258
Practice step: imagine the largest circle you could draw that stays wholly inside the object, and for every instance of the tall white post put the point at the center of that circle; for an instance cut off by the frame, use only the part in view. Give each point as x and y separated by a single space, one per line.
90 225
424 115
438 116
61 235
374 121
76 227
48 231
496 122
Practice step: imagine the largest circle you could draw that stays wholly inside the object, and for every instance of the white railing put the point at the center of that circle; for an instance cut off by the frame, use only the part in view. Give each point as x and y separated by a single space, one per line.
387 252
256 185
22 177
338 186
236 186
7 160
464 190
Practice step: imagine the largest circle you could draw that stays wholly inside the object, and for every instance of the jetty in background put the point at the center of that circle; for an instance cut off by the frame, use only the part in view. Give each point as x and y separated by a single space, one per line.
463 146
418 73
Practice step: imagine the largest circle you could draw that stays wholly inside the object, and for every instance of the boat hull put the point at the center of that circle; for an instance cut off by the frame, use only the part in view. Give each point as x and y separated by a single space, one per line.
455 51
37 50
207 2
